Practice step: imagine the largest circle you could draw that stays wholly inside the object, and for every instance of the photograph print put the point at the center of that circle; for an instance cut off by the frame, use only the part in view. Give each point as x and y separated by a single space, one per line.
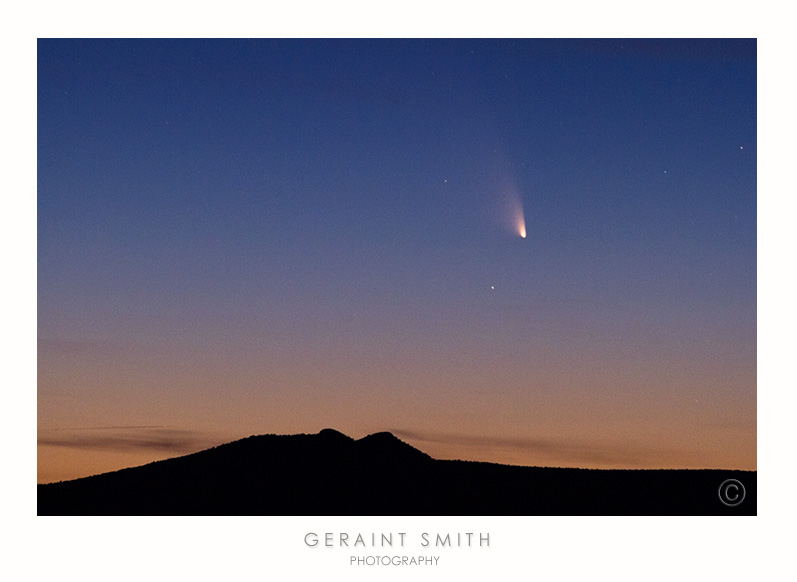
368 277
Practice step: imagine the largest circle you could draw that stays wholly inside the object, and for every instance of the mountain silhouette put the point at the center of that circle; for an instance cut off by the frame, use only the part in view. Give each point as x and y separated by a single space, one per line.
330 473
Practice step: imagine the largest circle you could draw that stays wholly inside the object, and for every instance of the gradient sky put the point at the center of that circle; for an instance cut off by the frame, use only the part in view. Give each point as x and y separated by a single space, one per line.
278 236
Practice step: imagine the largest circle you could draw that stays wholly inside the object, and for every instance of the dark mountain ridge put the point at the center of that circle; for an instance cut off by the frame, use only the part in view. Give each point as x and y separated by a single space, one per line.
330 473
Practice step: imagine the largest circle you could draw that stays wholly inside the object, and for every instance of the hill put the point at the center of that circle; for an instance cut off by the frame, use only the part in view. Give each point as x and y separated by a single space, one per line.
330 473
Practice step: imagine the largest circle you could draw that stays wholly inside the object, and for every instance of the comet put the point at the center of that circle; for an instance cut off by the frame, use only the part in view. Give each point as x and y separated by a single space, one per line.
509 207
518 219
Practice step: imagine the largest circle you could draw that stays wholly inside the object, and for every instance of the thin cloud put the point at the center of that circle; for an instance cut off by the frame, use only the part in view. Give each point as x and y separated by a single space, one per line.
127 439
565 452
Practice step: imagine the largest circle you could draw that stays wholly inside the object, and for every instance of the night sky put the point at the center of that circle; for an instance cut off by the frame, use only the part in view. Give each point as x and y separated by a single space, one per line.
277 236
